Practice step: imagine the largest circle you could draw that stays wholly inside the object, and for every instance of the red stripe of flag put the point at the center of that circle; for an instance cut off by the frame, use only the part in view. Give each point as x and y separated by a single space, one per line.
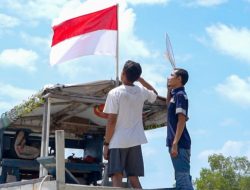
105 19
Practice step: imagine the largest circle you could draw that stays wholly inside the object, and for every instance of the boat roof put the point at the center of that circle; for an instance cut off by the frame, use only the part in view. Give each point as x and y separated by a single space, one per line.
76 109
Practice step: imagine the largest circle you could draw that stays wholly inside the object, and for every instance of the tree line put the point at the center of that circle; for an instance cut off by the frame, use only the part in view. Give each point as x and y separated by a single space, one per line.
225 173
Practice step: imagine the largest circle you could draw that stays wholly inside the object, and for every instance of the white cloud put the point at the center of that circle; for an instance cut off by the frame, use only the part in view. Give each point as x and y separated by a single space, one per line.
231 40
8 21
183 58
35 9
157 160
228 122
149 151
42 43
157 134
47 9
130 43
88 67
16 93
156 138
205 3
12 96
210 2
199 132
236 90
136 2
72 70
5 106
230 148
154 73
22 58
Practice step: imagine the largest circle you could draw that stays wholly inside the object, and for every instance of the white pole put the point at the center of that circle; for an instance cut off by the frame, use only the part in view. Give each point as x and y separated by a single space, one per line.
48 128
117 48
45 136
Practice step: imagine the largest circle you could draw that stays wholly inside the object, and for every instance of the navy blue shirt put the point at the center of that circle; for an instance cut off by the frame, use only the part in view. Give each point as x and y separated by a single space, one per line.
178 105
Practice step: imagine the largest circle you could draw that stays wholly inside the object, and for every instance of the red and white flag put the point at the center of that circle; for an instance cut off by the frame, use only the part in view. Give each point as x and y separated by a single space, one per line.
90 34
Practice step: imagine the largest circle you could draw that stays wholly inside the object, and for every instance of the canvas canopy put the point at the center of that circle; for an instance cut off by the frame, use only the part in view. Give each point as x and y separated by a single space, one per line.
76 109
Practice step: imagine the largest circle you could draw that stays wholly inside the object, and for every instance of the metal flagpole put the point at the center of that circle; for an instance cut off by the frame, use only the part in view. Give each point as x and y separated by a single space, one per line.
117 48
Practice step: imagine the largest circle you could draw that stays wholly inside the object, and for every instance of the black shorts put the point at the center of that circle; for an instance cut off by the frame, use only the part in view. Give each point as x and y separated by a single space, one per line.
128 160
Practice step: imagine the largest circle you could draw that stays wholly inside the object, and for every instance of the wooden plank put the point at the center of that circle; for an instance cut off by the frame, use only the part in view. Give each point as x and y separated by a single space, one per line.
21 183
86 187
82 125
60 163
21 164
49 162
83 99
64 111
72 113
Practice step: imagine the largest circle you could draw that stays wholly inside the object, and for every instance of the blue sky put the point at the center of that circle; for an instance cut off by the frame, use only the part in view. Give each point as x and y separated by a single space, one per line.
210 38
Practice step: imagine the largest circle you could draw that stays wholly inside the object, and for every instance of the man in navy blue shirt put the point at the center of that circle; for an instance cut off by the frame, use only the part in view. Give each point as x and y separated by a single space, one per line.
178 139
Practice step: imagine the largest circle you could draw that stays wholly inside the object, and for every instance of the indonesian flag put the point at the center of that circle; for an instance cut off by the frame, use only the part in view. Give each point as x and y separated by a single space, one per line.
90 34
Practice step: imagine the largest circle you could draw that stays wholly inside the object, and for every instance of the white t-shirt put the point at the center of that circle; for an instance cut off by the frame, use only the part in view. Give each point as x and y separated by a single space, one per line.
127 102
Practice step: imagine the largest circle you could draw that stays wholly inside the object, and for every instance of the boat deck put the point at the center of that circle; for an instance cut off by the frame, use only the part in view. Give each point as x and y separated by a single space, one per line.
41 184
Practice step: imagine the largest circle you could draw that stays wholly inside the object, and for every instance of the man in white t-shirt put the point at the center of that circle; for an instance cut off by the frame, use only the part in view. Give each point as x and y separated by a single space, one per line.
124 131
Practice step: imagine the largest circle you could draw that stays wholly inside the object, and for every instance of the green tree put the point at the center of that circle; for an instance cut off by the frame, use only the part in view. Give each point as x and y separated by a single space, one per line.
225 173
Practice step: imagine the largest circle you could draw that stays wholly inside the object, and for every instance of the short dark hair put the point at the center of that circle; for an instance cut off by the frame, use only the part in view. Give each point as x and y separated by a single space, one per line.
132 71
183 74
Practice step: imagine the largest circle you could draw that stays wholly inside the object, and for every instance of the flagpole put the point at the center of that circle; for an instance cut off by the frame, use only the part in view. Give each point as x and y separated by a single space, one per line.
117 48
